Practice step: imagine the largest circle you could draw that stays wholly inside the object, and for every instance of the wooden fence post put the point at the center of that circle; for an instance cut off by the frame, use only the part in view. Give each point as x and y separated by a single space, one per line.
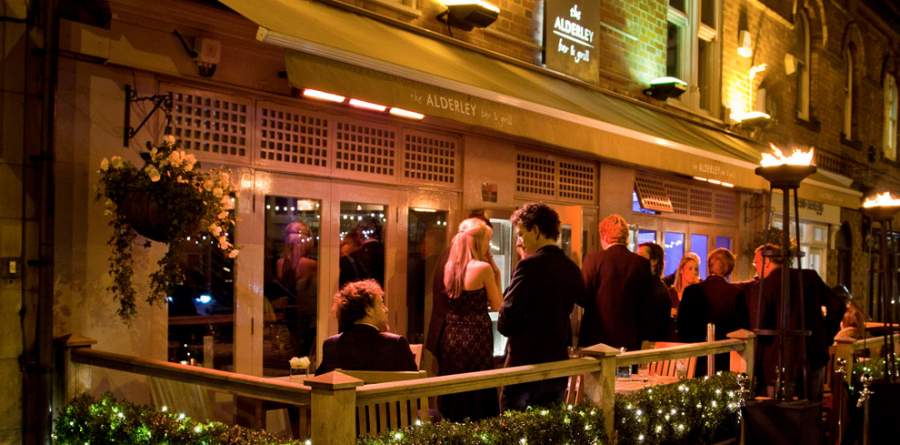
70 379
744 361
333 405
600 386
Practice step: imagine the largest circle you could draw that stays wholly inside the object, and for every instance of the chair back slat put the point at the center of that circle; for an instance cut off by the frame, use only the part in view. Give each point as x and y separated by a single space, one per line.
669 368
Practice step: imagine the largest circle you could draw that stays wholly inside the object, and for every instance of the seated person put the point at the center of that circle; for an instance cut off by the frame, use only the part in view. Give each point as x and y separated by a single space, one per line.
363 344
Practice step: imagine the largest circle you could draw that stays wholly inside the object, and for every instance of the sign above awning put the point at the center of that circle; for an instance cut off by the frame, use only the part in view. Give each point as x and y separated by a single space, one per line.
342 52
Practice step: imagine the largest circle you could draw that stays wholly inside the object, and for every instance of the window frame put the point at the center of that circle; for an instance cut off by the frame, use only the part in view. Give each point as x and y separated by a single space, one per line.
891 98
803 69
847 122
693 32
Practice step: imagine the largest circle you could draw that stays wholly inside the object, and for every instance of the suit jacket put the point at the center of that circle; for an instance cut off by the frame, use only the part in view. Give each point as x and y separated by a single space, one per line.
363 263
536 307
618 286
765 313
658 314
364 348
712 301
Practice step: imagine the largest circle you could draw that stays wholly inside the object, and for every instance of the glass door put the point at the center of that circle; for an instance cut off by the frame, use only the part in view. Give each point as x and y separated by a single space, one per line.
426 241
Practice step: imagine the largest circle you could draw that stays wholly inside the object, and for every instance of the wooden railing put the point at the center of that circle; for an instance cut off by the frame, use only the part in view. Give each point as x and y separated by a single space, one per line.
849 349
333 397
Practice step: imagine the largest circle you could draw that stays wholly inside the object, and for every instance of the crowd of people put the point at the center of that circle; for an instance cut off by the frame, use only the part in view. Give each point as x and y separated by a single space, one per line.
625 298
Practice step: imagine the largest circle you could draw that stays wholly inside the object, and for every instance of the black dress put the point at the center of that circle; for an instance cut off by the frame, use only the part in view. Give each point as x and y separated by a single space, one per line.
467 345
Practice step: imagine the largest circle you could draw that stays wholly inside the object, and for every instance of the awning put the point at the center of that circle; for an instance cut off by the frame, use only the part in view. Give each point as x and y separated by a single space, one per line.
342 52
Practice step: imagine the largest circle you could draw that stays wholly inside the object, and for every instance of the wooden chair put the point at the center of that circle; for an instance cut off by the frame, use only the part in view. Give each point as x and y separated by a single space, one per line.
670 368
380 417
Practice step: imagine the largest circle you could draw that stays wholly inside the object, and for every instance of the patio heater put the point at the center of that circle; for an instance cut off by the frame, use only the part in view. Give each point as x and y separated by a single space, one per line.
881 209
786 173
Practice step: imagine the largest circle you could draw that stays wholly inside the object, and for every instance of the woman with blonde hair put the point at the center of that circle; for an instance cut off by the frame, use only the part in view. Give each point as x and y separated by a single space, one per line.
687 273
467 342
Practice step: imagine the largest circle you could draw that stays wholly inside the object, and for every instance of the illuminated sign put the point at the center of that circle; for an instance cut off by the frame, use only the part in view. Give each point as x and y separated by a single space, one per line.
570 44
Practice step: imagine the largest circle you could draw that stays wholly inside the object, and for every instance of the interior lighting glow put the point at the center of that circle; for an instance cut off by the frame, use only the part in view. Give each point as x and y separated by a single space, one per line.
424 210
367 105
881 200
481 3
777 157
701 178
728 184
750 116
715 181
400 112
321 95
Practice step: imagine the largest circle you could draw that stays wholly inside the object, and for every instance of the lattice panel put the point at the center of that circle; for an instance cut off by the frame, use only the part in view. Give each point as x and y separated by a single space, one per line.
286 135
535 175
212 123
680 196
653 194
365 149
576 180
701 202
430 157
725 205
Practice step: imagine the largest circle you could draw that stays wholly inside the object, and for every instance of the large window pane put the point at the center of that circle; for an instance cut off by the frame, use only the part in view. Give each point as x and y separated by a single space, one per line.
723 242
503 250
291 281
673 51
673 245
362 242
677 4
201 309
700 246
708 13
646 236
426 240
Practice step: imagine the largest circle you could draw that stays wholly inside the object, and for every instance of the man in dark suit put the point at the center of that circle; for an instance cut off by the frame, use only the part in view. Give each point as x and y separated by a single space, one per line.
713 301
618 286
764 310
363 344
537 305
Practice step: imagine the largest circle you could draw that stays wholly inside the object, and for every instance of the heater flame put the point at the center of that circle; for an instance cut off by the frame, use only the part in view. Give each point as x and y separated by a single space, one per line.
881 200
777 157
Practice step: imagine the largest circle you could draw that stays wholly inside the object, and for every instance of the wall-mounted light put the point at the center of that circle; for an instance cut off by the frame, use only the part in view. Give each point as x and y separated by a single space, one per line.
468 14
752 119
321 95
663 88
745 44
356 103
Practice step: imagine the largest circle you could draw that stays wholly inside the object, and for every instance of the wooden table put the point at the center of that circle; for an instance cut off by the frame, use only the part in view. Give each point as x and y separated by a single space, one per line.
625 385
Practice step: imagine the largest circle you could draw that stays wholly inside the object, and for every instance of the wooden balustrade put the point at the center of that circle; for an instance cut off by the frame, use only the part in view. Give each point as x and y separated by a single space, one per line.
847 349
334 396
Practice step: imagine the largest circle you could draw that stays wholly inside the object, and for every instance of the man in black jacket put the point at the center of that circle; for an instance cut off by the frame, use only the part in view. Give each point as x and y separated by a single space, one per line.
537 304
764 313
618 287
713 301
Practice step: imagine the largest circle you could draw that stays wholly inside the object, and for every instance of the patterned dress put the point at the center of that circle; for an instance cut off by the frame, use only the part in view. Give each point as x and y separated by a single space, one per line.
467 345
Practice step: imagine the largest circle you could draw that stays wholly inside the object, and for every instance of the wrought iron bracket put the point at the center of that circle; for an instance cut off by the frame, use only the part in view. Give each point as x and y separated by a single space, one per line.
160 101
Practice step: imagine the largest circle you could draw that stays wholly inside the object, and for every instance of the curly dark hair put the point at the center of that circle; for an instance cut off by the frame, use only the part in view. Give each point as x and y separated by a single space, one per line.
538 214
657 254
351 302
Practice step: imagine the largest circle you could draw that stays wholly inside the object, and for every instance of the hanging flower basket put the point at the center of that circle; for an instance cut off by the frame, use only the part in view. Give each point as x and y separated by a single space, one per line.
166 200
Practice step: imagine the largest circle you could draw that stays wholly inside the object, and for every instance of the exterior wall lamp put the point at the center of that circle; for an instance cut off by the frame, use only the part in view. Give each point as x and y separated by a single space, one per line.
468 14
663 88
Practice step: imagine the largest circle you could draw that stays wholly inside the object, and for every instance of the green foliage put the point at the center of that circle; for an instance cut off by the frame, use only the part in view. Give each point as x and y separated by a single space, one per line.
873 367
109 421
697 411
193 202
579 424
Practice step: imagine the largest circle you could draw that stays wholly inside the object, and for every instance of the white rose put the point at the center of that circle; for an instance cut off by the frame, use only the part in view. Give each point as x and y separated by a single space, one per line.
217 192
175 159
104 165
215 230
233 254
117 162
223 243
153 173
227 202
169 140
189 162
223 215
299 362
208 184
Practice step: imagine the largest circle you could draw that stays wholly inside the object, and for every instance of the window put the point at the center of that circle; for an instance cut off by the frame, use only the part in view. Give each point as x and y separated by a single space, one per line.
673 248
813 244
803 66
700 246
890 117
847 130
692 51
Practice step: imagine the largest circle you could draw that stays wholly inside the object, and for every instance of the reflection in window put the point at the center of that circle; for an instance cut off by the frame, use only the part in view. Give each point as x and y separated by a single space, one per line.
565 239
291 281
646 236
201 309
362 242
502 249
673 245
700 246
426 240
